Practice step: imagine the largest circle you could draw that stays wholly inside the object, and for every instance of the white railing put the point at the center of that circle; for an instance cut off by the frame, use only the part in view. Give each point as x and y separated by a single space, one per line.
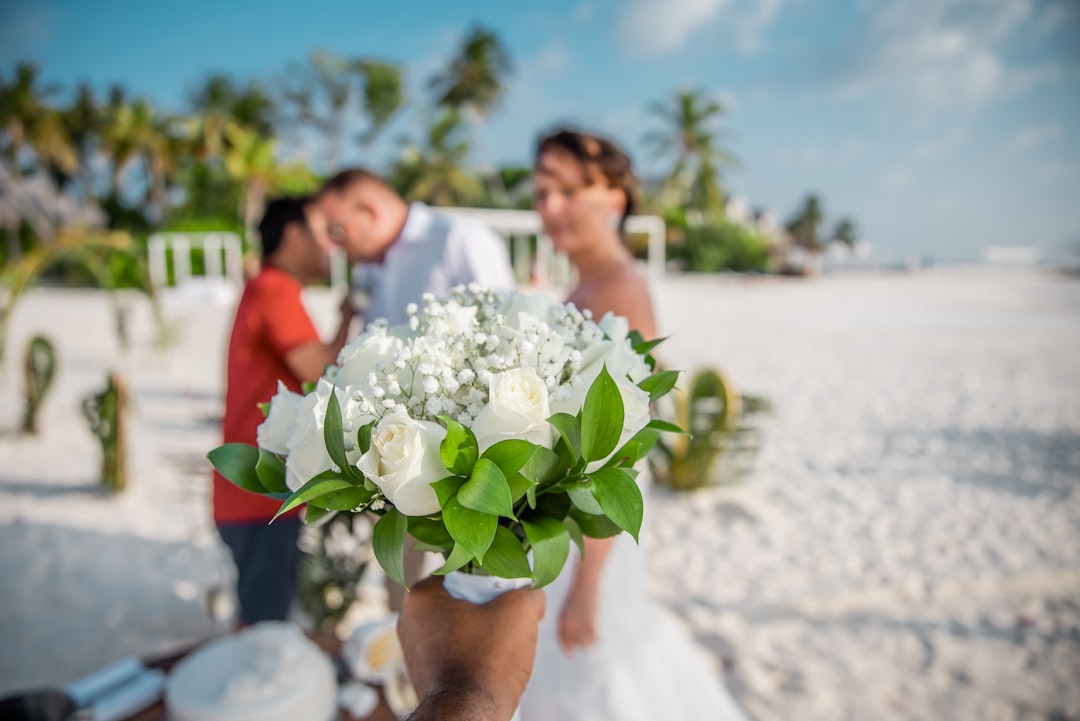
545 267
222 259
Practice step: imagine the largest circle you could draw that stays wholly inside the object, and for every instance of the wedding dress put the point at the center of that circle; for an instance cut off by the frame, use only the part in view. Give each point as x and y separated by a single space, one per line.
643 667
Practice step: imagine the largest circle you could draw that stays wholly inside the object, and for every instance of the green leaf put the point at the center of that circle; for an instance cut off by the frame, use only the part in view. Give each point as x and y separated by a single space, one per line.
487 490
620 498
569 428
363 437
457 558
530 497
519 486
581 496
447 488
271 471
458 449
644 347
320 485
307 387
506 558
544 464
550 542
314 514
556 505
333 435
344 500
429 531
635 449
511 455
388 542
659 384
576 536
659 425
472 529
264 408
594 526
602 418
236 462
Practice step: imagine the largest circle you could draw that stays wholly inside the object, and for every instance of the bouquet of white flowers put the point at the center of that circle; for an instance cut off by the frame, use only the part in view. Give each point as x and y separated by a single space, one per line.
494 429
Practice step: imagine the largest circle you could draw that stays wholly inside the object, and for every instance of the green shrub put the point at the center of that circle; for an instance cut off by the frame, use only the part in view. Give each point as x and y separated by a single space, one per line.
39 367
724 246
723 438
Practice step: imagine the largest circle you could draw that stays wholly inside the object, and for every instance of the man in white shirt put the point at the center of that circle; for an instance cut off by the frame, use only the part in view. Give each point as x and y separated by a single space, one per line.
414 249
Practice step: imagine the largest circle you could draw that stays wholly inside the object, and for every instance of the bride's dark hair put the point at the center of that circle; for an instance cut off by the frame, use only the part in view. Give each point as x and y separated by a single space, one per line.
602 160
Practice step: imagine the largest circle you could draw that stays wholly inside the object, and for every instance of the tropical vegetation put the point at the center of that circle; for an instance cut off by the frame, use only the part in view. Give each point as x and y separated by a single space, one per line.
86 159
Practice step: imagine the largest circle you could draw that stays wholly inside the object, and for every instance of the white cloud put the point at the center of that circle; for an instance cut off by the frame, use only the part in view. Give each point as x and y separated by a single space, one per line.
1057 16
584 12
552 60
933 55
817 156
897 177
750 27
651 27
1032 136
940 146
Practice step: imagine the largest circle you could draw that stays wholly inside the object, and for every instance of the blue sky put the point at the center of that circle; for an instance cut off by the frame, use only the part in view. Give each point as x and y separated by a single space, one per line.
941 126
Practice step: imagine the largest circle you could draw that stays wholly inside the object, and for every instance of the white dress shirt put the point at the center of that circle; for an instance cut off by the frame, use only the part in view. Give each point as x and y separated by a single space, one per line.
434 253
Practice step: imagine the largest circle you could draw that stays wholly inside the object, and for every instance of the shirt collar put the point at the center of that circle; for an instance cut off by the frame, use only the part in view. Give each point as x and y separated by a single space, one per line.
417 223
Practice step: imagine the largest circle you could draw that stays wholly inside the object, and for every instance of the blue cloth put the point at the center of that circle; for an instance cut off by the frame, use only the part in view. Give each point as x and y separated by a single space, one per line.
266 559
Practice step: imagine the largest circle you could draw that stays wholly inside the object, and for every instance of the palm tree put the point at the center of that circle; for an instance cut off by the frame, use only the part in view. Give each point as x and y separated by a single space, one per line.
473 84
846 232
251 159
136 133
84 120
383 95
805 226
697 159
436 173
323 96
28 123
210 101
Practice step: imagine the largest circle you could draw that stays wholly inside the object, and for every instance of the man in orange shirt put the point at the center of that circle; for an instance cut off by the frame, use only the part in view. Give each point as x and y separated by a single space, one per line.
272 339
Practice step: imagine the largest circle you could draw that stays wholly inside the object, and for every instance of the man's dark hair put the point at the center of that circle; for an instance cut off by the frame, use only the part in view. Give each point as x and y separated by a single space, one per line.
280 212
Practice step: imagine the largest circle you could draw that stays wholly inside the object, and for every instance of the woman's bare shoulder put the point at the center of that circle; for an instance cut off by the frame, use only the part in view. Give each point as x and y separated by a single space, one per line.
627 294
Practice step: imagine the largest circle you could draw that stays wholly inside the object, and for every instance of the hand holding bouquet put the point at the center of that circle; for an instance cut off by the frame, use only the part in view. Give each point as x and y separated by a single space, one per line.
494 429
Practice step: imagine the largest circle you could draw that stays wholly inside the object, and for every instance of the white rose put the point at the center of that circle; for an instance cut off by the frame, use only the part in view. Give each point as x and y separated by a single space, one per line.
615 356
635 416
353 417
537 305
460 318
308 456
517 408
615 327
364 354
273 433
404 461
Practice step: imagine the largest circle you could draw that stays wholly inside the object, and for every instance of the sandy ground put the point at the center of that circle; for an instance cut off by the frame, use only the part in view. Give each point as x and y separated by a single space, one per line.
907 547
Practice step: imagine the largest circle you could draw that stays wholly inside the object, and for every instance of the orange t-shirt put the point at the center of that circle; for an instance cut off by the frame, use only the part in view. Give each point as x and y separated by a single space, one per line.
270 322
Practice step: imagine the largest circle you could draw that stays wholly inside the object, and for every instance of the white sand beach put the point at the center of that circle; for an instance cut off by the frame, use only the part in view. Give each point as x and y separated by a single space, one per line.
907 547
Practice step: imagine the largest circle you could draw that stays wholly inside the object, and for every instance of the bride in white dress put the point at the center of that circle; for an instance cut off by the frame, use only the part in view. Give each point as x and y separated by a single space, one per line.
605 651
